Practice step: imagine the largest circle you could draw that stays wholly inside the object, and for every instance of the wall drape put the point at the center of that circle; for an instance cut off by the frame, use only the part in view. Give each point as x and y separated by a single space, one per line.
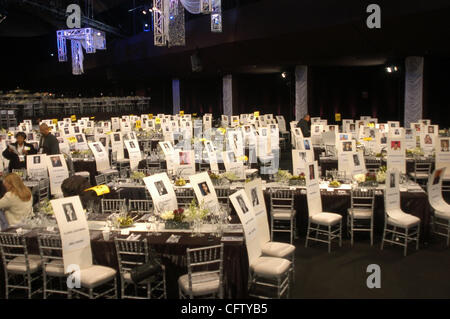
413 89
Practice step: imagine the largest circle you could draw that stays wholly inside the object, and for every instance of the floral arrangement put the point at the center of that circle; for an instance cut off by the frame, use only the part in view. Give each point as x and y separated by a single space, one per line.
176 215
213 176
282 175
180 181
335 184
230 176
195 211
360 178
299 177
414 152
47 207
381 174
370 177
137 175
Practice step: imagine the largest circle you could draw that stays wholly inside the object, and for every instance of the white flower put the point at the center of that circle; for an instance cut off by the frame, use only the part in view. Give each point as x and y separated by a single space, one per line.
168 215
360 178
381 176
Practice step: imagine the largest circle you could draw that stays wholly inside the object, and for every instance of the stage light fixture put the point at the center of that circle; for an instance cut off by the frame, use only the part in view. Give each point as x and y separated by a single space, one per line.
283 75
144 12
389 69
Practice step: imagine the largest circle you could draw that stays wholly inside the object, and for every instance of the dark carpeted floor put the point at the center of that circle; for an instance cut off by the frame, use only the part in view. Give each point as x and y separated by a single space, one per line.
342 273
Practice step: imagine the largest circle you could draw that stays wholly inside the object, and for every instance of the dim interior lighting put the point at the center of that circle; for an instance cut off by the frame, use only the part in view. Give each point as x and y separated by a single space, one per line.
171 17
391 68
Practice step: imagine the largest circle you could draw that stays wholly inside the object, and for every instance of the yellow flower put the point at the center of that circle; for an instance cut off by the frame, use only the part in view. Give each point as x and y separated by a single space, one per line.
367 139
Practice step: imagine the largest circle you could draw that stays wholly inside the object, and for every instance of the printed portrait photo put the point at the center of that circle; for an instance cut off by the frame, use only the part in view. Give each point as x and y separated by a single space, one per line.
204 189
98 148
444 145
311 172
69 212
347 146
352 127
395 145
160 188
392 180
255 200
428 139
76 129
56 161
79 138
37 160
356 160
437 176
431 129
132 145
185 158
116 137
231 157
241 203
307 145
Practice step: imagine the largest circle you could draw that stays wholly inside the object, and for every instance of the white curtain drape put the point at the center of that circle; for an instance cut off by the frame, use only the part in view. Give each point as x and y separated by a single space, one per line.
301 91
194 6
228 95
176 96
413 89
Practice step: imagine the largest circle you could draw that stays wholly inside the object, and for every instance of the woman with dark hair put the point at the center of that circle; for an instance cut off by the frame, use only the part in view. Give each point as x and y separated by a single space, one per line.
17 151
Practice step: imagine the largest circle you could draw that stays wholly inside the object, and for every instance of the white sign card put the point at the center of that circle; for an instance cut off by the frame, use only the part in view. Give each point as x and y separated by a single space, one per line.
434 189
232 164
212 157
299 160
274 136
427 142
74 232
205 192
162 192
359 165
235 142
185 163
443 154
81 143
63 145
58 172
244 209
134 153
255 194
117 145
37 166
312 189
100 155
396 158
410 138
264 148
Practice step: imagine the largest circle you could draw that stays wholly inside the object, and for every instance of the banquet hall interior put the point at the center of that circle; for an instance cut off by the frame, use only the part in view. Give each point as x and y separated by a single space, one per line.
233 149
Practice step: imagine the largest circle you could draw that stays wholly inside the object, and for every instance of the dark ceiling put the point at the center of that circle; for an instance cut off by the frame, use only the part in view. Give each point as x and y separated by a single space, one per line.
259 36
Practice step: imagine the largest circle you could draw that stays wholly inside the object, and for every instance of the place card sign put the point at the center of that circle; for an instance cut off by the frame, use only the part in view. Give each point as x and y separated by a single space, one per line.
410 138
117 145
392 191
100 155
58 172
63 145
244 209
312 189
274 136
264 147
235 142
232 164
358 163
134 153
185 163
434 190
427 141
255 194
162 192
396 158
443 154
74 232
299 160
205 192
212 157
37 166
81 143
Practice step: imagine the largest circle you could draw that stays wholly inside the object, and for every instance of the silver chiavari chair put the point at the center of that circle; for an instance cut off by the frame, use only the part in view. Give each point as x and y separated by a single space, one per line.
361 212
134 253
112 205
53 274
422 170
282 212
21 268
184 196
205 273
140 205
100 179
44 189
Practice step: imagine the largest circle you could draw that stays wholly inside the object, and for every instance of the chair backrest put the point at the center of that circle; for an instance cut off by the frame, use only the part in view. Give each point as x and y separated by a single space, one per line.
50 248
372 165
330 150
100 179
422 166
184 196
21 172
131 253
13 245
43 188
392 192
203 263
112 205
140 205
434 190
362 198
223 195
281 198
125 172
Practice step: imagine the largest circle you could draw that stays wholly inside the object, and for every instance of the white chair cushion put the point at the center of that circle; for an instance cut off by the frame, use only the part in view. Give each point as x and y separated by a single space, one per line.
326 219
420 175
277 249
403 220
18 266
202 283
441 214
55 268
284 214
362 213
127 278
108 171
124 160
83 173
270 267
96 275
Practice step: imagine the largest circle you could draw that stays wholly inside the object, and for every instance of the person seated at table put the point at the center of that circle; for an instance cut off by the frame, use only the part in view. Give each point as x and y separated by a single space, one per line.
17 202
17 151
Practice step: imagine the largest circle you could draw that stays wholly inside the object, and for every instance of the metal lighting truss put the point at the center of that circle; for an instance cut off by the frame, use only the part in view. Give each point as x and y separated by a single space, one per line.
159 33
216 16
88 38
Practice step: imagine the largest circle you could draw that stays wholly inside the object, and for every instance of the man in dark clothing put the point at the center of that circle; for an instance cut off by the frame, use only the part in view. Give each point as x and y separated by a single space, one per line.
49 143
305 125
17 151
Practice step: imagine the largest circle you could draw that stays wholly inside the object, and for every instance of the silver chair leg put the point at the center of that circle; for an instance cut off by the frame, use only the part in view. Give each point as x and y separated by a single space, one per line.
307 234
384 235
340 233
418 236
405 249
329 238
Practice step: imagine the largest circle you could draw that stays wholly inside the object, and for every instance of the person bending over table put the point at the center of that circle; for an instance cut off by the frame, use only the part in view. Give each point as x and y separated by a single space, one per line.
48 144
17 151
17 202
305 125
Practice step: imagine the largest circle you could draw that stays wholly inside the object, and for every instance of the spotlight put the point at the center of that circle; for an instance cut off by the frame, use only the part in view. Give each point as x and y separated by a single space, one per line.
51 54
284 75
171 17
146 27
144 12
389 69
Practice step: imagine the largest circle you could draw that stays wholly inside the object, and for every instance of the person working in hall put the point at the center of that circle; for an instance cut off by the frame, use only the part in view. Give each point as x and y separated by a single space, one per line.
17 151
305 125
48 144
